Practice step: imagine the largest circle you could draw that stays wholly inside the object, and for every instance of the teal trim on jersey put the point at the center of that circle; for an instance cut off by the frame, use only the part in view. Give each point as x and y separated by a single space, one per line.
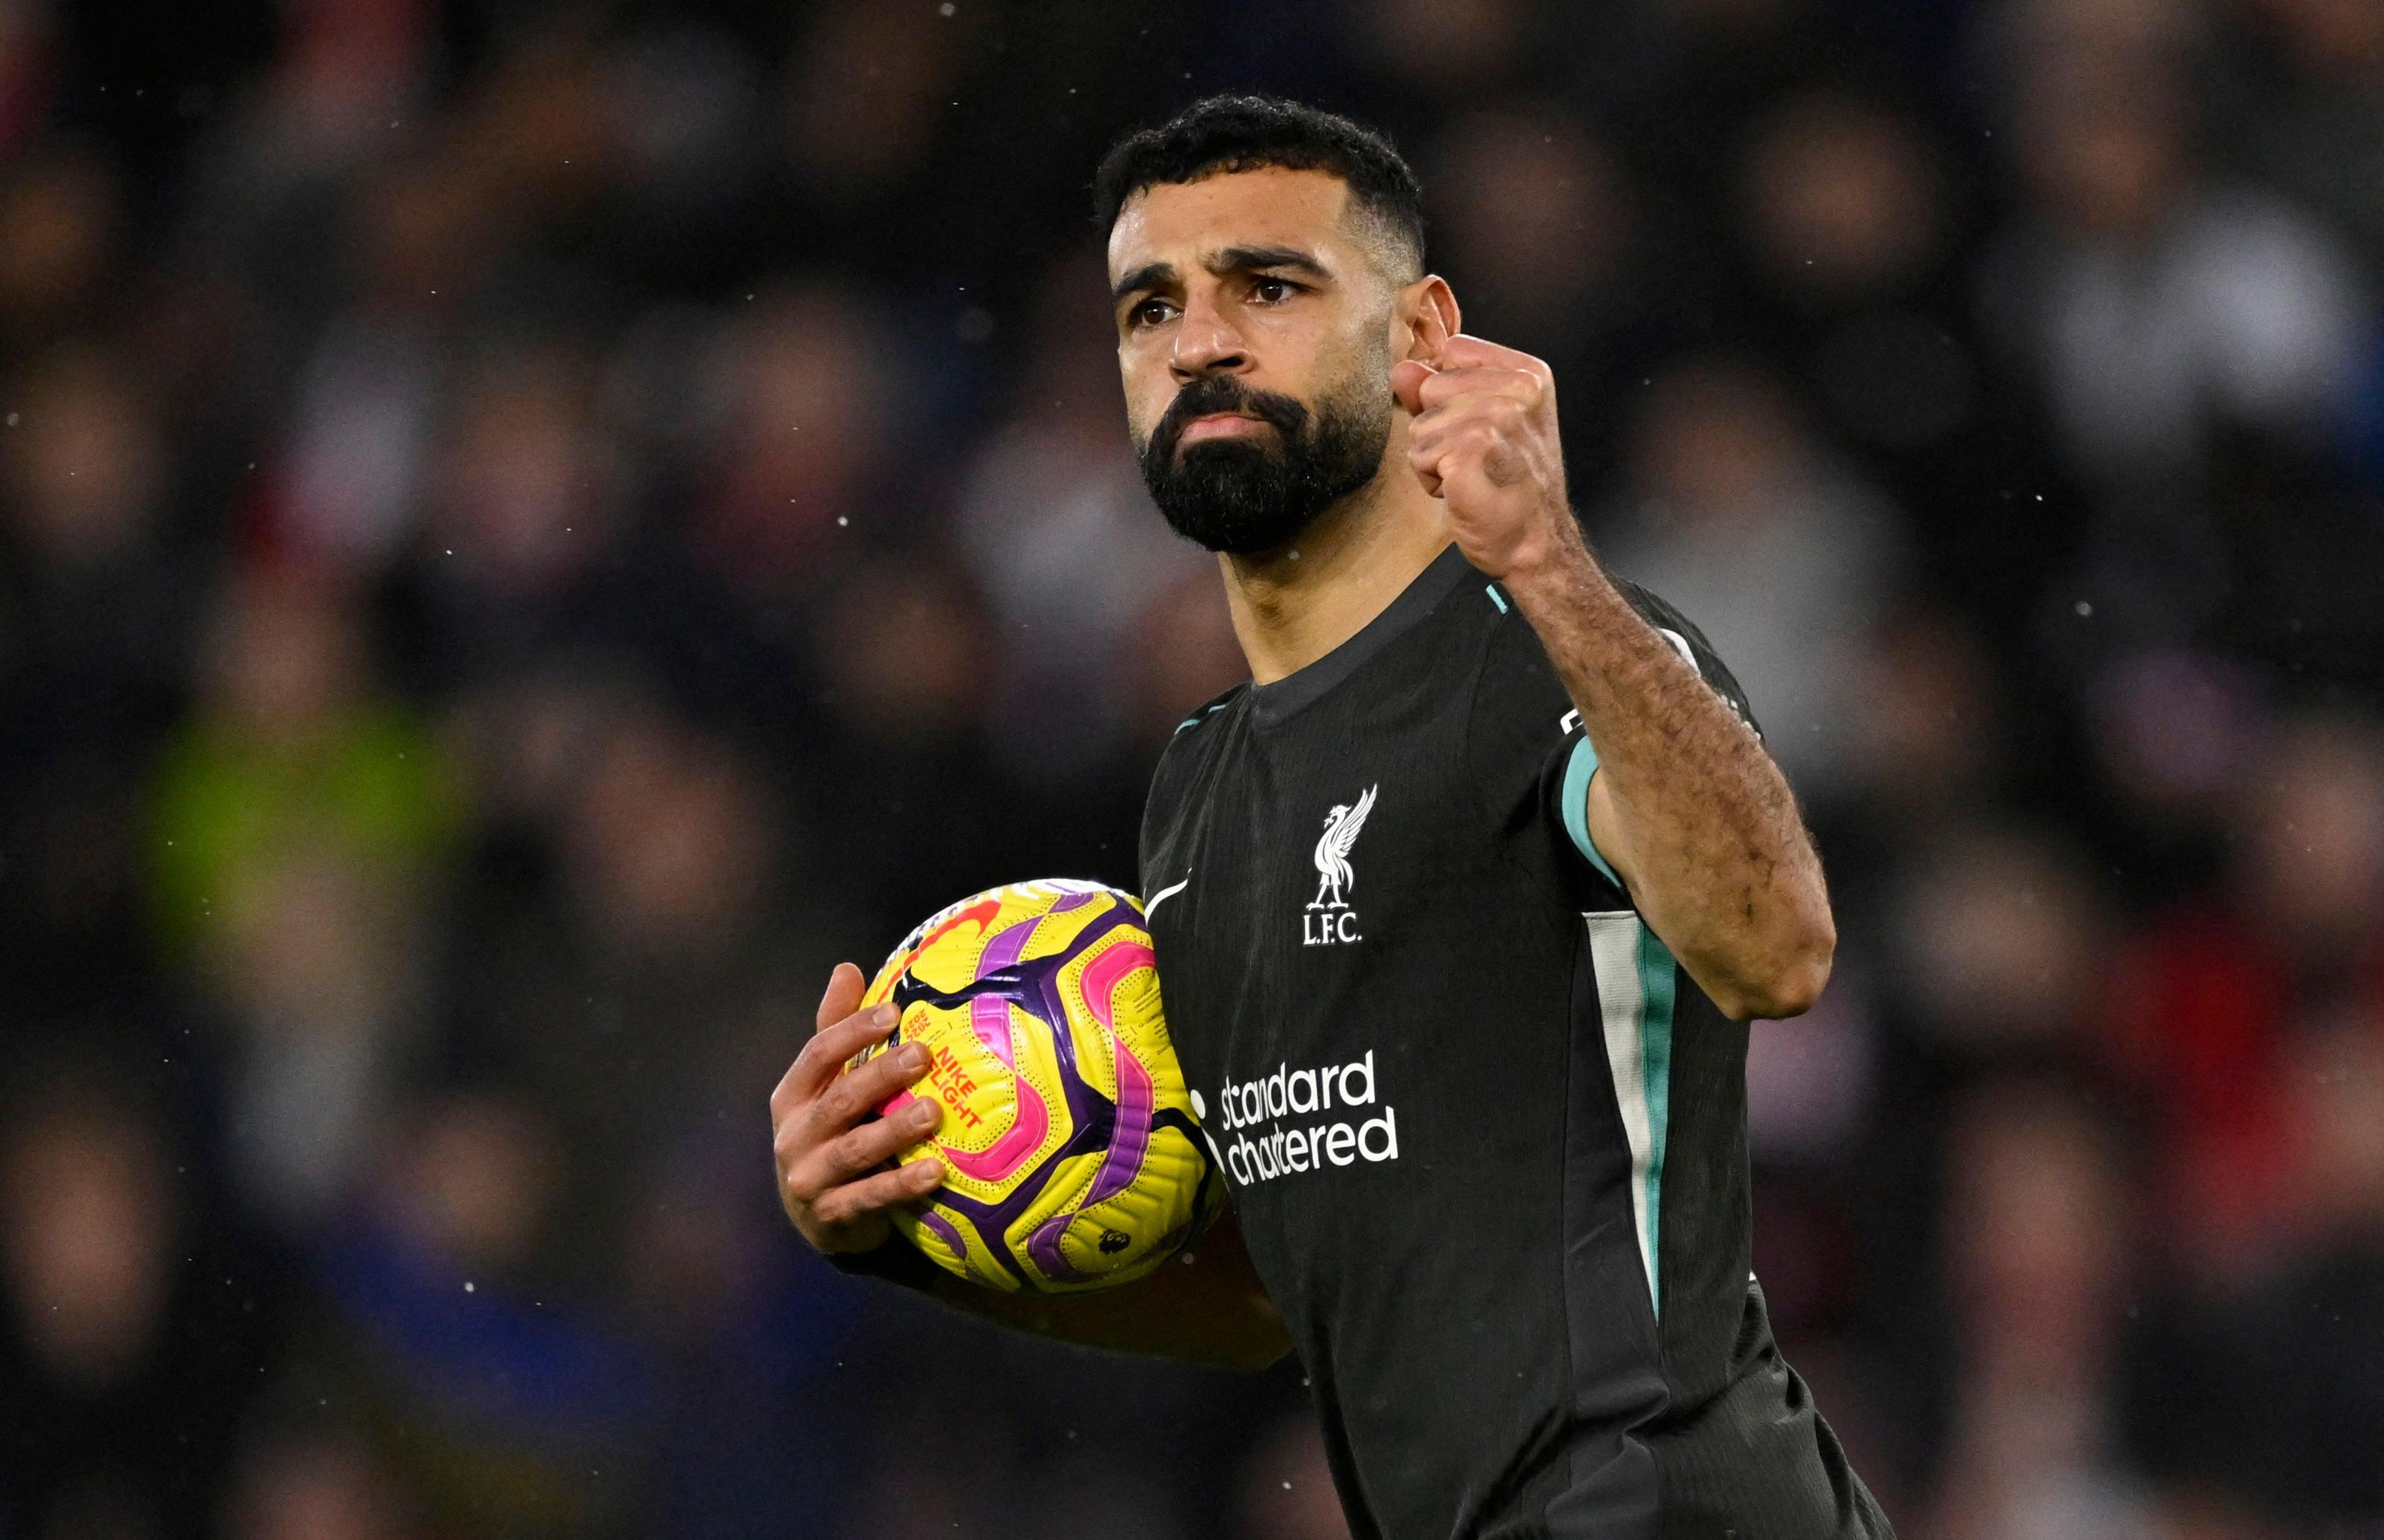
1634 1008
1497 598
1578 770
1660 984
1195 721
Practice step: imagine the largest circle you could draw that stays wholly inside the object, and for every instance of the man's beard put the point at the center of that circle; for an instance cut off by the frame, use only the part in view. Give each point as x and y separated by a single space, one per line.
1243 495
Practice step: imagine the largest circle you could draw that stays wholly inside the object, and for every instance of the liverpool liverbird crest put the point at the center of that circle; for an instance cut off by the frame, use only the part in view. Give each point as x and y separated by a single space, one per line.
1341 828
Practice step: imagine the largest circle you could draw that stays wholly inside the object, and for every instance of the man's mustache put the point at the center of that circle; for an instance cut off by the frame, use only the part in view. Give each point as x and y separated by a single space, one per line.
1213 394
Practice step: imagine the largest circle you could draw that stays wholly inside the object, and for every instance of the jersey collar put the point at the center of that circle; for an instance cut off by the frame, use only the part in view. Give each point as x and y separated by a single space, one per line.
1303 688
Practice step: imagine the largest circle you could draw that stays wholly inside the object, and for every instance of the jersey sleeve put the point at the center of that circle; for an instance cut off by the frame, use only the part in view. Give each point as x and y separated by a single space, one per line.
1531 758
1691 644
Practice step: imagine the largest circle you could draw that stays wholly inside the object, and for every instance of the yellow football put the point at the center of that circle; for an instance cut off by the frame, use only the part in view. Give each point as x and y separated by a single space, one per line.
1072 1158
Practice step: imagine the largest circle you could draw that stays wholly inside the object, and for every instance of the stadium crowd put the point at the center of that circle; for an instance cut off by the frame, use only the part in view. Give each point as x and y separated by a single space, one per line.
529 530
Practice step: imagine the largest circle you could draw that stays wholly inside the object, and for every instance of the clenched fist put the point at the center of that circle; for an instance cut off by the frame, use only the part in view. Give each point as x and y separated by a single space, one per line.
1483 439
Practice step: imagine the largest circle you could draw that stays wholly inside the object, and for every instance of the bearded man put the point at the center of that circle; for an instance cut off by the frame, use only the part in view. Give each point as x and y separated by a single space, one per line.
1461 905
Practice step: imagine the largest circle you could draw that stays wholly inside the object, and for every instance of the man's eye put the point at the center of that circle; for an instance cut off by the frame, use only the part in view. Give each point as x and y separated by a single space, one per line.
1147 313
1273 290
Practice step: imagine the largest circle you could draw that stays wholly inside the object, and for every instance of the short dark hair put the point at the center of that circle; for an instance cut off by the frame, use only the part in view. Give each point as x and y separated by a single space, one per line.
1220 134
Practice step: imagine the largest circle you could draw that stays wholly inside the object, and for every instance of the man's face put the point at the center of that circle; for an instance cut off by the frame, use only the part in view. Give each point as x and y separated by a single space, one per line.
1253 321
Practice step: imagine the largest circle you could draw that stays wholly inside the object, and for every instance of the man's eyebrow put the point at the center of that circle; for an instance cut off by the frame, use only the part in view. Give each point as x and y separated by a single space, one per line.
1244 259
1233 259
1151 274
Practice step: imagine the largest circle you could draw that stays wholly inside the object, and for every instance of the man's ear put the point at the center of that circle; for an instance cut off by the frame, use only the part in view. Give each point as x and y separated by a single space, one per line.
1429 316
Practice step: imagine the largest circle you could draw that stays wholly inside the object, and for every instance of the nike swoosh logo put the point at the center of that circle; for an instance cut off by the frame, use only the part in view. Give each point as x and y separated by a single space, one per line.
1163 895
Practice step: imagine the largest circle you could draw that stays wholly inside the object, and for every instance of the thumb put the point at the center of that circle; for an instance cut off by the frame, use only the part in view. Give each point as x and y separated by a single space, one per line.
1407 383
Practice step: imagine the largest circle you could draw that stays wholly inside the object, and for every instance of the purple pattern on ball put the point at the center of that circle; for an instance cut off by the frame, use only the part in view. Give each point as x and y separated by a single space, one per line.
943 1229
1034 987
1044 1246
1002 951
1136 1098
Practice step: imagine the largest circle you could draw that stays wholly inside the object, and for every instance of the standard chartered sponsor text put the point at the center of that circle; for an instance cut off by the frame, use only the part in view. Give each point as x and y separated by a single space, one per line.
1367 1131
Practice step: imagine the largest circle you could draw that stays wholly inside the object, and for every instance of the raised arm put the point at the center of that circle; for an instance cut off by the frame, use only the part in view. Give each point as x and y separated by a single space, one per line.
1686 806
837 1180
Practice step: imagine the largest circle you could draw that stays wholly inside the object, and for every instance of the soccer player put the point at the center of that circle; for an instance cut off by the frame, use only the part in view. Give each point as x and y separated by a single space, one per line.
1461 907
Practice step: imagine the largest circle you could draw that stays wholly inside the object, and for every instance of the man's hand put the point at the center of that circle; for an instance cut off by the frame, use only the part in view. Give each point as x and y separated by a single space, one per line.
1483 440
834 1176
1208 1305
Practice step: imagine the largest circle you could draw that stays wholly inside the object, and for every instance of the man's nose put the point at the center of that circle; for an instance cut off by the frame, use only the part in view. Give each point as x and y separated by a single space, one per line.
1206 343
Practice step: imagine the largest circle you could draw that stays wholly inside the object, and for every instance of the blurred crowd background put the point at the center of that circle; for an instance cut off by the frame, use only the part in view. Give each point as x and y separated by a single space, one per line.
529 530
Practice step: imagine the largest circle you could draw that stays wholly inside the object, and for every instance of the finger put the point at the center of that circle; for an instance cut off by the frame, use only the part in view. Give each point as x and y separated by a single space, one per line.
823 1058
843 997
866 1148
875 1195
1450 385
1426 466
1446 439
1464 352
845 988
862 1089
1408 377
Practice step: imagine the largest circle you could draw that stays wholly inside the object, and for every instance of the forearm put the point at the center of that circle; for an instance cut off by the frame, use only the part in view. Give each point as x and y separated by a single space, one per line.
1205 1306
1693 813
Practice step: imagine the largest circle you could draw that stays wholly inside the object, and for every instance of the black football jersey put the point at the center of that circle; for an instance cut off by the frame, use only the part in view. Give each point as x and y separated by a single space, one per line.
1486 1139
